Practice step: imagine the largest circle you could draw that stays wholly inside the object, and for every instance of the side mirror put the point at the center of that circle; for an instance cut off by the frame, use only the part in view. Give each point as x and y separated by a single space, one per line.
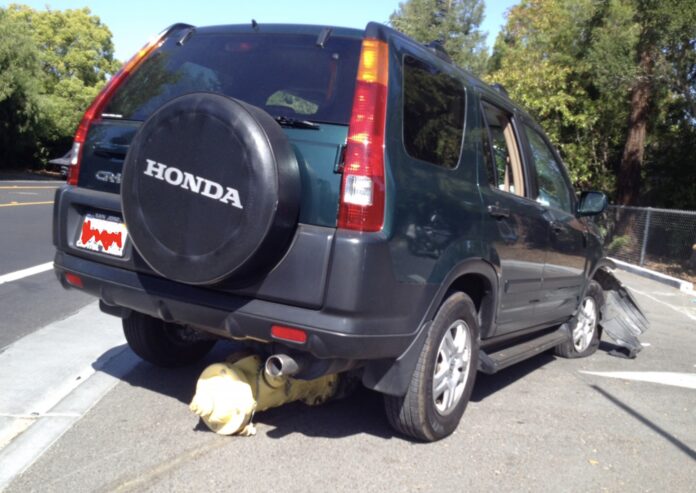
592 203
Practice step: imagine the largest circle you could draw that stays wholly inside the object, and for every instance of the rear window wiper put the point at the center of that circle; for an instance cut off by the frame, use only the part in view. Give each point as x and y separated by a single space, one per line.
284 121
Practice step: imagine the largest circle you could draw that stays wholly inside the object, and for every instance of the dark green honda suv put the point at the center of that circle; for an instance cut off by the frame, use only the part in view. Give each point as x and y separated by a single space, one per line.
347 198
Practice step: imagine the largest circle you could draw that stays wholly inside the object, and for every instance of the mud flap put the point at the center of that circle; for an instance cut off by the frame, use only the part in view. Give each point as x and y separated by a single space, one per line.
622 318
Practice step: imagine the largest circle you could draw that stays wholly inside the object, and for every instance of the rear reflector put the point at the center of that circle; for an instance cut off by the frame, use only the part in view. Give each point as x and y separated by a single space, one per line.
74 280
288 334
362 190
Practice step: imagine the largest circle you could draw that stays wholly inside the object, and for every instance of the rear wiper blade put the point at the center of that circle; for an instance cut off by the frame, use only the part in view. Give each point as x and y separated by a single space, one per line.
284 121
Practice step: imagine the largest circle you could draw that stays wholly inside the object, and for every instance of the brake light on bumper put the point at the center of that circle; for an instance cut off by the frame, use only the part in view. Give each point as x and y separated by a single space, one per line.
288 334
74 280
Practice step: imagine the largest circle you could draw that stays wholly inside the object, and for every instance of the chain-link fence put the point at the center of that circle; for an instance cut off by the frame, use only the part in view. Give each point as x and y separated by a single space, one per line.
660 239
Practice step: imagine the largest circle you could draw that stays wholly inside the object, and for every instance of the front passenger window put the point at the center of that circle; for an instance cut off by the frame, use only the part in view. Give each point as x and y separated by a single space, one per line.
553 188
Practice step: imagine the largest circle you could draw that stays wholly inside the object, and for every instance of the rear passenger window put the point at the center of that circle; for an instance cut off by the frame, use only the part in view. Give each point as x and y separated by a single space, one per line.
434 106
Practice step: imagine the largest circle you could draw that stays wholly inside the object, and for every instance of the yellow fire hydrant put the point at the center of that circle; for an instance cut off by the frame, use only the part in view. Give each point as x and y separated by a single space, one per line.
229 393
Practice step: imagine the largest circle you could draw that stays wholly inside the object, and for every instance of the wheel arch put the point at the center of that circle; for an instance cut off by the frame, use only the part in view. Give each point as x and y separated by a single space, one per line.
599 273
473 277
479 280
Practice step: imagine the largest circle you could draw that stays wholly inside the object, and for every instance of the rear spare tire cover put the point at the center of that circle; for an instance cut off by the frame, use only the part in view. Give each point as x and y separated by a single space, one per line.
210 189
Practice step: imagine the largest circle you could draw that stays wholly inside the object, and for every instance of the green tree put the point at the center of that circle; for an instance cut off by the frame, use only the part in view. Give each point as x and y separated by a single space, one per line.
20 92
580 67
667 32
455 23
542 58
75 57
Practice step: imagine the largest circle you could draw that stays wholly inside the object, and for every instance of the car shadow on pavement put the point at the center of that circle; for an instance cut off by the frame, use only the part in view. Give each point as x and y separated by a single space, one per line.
177 383
360 412
614 349
487 385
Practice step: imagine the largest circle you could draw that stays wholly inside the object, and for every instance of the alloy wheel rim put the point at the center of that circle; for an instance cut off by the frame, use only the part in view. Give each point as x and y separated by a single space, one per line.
586 325
452 367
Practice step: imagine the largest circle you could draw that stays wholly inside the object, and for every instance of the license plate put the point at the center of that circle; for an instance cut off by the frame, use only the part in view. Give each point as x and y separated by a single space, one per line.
102 234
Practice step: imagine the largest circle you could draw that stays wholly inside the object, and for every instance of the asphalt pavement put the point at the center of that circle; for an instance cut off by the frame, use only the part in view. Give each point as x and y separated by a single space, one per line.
79 412
548 424
25 242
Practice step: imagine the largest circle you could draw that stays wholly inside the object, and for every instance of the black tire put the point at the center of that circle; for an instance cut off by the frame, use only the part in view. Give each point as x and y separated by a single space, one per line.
210 190
163 344
573 348
416 414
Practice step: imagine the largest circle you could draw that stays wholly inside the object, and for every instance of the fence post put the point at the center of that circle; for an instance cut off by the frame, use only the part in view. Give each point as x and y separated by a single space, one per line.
645 237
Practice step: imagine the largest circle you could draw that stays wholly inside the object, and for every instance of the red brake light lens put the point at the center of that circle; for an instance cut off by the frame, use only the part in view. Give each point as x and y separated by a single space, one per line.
95 109
363 187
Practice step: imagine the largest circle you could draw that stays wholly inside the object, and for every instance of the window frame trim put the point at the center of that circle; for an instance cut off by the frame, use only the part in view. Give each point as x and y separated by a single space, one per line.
559 162
524 161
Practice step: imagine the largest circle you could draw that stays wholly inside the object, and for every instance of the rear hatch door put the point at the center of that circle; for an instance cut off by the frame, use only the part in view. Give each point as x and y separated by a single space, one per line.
306 84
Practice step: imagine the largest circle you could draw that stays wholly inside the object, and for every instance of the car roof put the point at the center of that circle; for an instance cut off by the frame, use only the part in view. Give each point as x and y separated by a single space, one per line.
282 29
378 30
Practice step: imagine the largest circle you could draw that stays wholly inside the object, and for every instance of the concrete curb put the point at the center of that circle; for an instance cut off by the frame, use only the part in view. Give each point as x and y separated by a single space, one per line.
684 286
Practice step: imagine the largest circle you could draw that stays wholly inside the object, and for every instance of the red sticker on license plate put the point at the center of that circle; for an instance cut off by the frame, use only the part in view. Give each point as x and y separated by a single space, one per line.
103 235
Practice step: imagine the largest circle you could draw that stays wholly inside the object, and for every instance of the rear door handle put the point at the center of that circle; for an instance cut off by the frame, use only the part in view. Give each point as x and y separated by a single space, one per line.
498 212
557 227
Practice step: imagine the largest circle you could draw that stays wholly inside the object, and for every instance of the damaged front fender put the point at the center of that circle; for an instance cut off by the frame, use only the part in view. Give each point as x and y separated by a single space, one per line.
621 316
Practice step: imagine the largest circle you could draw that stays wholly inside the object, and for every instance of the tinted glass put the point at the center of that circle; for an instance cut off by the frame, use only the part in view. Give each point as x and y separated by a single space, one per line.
434 108
553 188
285 74
488 158
497 120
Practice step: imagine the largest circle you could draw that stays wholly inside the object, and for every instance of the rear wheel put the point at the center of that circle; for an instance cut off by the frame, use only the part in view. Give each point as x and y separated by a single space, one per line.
164 344
584 339
441 385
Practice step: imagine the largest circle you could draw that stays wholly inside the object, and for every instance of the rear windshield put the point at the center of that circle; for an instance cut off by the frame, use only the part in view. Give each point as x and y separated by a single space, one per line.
285 74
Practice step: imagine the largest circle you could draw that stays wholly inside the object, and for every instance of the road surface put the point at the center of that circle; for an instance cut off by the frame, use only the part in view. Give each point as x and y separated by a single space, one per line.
79 412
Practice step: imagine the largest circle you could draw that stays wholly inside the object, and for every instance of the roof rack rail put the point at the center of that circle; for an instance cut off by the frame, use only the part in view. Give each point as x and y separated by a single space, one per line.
439 50
501 89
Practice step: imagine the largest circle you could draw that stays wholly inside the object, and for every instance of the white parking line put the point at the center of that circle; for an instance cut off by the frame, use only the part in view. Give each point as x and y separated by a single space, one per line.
684 380
21 274
675 308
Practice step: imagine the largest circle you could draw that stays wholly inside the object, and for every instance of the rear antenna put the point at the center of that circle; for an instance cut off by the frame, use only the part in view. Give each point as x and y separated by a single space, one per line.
439 50
185 37
254 25
323 37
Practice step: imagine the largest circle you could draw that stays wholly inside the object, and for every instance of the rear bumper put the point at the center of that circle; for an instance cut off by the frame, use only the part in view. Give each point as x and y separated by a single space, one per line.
336 285
330 335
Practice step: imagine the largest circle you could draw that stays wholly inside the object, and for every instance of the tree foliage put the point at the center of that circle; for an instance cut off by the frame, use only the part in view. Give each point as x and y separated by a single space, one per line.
20 90
455 23
66 57
576 66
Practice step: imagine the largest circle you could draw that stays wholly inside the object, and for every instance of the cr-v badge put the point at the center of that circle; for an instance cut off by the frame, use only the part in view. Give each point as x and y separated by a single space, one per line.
196 184
108 176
